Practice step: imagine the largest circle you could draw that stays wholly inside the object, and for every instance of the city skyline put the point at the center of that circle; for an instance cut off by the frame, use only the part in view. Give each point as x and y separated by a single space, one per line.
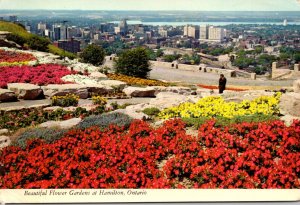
192 5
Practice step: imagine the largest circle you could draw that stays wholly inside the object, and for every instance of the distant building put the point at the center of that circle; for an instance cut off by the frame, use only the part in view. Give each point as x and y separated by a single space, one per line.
70 45
41 26
13 18
162 32
1 18
63 32
56 33
191 31
285 22
216 34
204 32
73 32
122 29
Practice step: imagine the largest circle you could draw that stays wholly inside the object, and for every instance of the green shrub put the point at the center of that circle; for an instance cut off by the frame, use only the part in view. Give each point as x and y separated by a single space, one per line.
152 111
105 120
93 54
134 62
47 134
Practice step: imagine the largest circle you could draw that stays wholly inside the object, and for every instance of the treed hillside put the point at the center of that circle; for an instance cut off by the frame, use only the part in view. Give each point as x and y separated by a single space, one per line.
35 42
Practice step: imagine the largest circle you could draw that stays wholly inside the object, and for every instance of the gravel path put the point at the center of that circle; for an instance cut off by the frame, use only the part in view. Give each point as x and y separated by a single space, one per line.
210 78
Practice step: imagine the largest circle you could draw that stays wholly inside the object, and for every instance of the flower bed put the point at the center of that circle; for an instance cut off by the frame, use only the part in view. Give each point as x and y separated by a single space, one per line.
216 106
14 120
8 58
247 155
136 81
39 75
212 87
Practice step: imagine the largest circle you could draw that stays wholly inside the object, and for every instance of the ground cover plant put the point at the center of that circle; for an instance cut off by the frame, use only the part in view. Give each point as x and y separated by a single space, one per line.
216 106
40 75
213 87
246 155
8 58
130 80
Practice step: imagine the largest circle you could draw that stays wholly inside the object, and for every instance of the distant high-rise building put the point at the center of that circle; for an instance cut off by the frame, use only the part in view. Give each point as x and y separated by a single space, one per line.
122 29
41 26
63 32
73 32
216 34
191 31
285 22
56 32
1 18
13 18
49 33
204 32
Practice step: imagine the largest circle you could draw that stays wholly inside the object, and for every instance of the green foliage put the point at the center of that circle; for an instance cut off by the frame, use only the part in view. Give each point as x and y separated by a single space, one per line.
133 62
22 37
116 106
171 58
297 57
93 54
222 121
153 111
243 62
38 43
103 121
57 51
194 59
17 39
47 134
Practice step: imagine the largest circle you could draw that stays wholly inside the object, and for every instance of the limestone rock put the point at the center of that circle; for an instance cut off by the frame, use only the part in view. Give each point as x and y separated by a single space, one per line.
134 115
50 124
288 119
4 142
180 90
66 124
62 90
70 123
290 104
4 131
167 99
26 91
7 95
114 84
296 86
139 92
99 89
98 76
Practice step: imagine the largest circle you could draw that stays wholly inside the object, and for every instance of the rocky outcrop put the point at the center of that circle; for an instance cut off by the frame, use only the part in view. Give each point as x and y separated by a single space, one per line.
4 142
66 124
7 95
139 92
113 84
98 76
288 119
174 89
168 99
62 90
290 104
296 86
26 91
99 89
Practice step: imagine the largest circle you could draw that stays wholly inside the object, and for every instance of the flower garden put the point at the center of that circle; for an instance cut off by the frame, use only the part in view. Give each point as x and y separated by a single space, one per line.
233 145
40 75
9 58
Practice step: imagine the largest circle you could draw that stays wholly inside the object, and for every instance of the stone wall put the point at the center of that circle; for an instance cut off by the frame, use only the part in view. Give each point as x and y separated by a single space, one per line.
196 68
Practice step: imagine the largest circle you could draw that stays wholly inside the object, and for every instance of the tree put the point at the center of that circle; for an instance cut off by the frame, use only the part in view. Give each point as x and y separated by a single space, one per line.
297 57
93 54
134 62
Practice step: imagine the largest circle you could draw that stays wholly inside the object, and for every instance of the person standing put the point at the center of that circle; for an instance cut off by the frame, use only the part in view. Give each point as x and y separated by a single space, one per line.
222 83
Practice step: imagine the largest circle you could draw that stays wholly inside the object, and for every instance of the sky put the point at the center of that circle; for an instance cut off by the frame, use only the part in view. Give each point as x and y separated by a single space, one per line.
198 5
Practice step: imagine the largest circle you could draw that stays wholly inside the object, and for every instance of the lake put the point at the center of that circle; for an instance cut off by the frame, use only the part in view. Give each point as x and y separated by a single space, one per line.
203 23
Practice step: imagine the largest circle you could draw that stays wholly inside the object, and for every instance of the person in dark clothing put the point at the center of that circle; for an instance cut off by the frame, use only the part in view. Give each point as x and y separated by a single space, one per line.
222 83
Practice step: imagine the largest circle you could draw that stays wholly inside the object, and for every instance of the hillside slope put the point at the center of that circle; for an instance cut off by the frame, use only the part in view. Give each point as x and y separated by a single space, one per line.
22 37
